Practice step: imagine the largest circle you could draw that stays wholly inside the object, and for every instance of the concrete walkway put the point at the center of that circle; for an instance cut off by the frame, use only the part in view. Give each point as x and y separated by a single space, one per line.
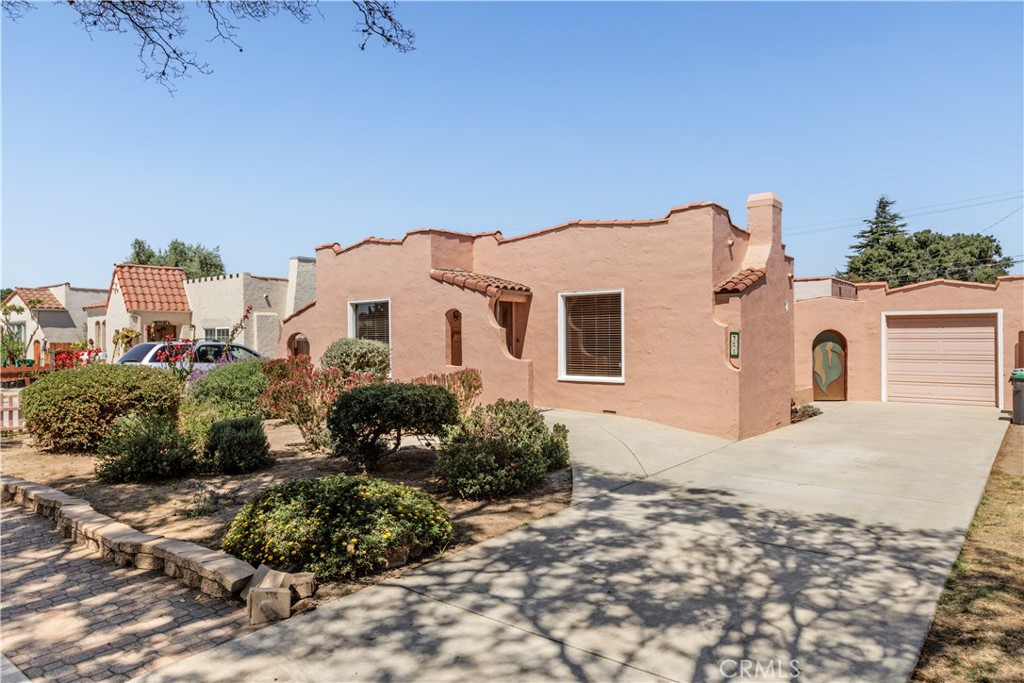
820 548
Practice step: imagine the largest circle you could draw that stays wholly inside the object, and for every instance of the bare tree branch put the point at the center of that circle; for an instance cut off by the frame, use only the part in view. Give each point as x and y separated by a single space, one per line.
159 26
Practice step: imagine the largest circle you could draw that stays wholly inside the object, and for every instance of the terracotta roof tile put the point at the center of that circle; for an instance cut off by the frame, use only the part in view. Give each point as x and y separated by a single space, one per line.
299 311
98 304
37 298
152 288
740 281
485 284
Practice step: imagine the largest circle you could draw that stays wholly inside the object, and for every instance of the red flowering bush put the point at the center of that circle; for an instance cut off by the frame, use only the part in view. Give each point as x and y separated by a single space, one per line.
69 360
302 395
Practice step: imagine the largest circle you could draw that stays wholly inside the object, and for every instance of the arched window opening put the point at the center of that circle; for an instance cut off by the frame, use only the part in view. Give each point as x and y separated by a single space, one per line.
453 337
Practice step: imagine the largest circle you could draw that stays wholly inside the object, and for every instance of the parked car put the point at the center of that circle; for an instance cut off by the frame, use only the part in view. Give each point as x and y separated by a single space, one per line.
205 354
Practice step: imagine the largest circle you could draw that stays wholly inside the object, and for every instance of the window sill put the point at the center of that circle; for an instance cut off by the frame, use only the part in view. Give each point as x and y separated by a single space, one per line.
592 380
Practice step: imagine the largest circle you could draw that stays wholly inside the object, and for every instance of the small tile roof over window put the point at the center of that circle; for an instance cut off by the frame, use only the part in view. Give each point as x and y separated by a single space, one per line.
98 304
485 284
740 281
37 298
152 288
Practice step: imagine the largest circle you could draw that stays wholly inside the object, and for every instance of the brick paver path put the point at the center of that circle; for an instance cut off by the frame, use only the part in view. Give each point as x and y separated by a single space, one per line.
68 615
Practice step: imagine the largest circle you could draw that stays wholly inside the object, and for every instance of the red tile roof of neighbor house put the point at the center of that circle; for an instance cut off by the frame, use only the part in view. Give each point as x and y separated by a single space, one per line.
151 288
98 304
486 284
37 298
740 281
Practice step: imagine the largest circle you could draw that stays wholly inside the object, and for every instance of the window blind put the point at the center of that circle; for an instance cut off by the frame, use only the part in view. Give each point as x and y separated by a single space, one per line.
372 321
593 335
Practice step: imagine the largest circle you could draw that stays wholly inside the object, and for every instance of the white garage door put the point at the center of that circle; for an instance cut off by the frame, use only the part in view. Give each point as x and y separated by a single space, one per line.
942 359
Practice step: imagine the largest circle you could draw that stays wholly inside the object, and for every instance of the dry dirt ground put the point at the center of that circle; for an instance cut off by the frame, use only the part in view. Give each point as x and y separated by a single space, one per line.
201 508
978 631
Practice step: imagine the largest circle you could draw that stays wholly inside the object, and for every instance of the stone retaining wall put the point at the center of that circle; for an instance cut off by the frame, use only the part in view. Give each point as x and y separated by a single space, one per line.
211 571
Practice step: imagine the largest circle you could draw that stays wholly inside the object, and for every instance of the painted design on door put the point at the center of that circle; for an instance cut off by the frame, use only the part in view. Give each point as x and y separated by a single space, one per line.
829 366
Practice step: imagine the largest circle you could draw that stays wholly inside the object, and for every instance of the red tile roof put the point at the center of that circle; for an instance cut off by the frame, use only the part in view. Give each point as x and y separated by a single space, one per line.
98 304
486 284
740 281
152 288
37 298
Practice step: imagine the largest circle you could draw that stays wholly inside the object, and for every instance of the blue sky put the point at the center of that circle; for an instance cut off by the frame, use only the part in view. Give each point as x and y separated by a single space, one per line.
510 116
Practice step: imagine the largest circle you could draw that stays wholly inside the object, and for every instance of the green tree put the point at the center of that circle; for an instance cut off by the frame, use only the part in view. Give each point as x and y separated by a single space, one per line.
886 223
197 260
885 251
6 292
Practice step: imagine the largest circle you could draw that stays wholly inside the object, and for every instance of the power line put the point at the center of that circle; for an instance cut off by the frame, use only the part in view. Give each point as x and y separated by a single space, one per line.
907 215
916 208
1003 218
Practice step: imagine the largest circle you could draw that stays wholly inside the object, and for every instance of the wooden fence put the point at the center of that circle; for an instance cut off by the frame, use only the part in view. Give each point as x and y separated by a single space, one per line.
10 411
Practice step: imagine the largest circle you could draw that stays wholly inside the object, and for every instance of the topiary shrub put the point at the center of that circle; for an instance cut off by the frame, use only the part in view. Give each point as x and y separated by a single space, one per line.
240 384
500 450
144 448
72 410
360 357
338 527
195 418
237 446
368 422
465 384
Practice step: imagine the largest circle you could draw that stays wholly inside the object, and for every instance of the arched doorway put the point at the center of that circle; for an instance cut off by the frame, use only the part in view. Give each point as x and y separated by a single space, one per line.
298 345
453 341
828 366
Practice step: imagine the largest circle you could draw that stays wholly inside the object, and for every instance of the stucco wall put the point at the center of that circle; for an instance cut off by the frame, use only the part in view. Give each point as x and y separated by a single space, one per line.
117 317
860 321
221 301
675 351
301 283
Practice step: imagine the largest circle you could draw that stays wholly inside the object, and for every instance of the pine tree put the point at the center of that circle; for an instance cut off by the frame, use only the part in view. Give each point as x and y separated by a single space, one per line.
886 223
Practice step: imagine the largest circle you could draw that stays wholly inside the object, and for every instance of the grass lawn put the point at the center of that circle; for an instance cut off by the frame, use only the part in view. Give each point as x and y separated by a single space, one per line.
978 631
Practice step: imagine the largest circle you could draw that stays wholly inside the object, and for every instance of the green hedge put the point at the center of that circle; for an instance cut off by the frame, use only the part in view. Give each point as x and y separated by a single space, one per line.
72 410
339 527
367 423
359 356
237 446
141 449
499 450
239 384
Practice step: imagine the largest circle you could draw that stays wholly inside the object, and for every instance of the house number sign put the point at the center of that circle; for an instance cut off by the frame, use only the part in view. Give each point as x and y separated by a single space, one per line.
734 345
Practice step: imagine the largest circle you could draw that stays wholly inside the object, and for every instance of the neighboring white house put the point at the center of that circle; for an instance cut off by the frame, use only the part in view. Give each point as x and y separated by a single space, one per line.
159 301
148 299
219 302
52 314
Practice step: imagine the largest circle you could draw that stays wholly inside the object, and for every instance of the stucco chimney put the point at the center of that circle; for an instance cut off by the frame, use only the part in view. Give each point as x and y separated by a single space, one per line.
764 221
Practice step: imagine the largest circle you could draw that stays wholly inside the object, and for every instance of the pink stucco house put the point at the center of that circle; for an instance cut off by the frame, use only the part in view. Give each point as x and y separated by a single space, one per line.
940 341
685 319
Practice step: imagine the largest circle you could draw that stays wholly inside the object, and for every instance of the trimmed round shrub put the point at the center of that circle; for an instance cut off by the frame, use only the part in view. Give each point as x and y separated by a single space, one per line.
237 446
499 450
359 356
141 449
196 418
367 422
72 410
239 384
338 527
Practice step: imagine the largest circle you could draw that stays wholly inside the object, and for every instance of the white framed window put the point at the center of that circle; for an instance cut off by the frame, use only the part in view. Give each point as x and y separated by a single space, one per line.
218 334
591 336
370 320
18 330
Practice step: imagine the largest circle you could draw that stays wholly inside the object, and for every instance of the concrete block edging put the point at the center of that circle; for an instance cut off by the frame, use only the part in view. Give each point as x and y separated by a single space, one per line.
211 571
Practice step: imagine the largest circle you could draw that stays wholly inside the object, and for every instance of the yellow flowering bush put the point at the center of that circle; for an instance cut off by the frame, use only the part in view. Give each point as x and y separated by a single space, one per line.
338 527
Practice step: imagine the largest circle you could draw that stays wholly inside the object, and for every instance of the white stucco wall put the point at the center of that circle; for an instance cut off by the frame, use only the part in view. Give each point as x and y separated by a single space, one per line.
221 301
301 283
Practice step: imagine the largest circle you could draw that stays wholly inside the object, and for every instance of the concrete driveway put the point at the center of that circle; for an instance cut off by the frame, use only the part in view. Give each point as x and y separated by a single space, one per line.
818 549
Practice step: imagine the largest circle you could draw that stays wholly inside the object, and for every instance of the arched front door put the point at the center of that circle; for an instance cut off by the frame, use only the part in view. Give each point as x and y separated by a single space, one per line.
828 363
